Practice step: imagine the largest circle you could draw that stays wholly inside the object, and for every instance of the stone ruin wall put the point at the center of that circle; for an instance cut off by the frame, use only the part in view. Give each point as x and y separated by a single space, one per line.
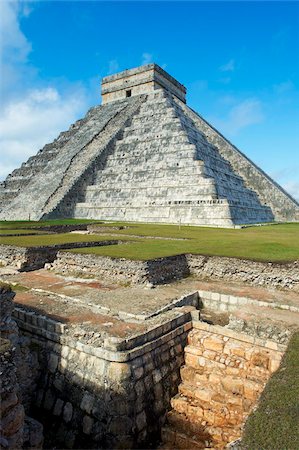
144 79
17 367
111 396
121 391
163 270
284 207
32 258
223 377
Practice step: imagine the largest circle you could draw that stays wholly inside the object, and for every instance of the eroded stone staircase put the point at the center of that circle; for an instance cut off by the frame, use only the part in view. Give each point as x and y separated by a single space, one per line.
222 379
164 170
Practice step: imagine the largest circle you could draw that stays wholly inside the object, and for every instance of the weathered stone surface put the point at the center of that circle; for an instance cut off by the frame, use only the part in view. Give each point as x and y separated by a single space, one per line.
220 388
105 401
162 270
144 156
16 429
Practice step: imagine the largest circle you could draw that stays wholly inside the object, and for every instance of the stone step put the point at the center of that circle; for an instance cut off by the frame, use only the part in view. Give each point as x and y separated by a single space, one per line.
177 136
216 418
124 150
169 176
167 115
173 439
150 129
191 427
163 164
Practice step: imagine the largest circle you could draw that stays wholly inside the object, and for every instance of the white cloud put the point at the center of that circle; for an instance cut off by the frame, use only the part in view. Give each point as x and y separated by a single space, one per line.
31 122
244 114
32 114
147 58
113 66
293 188
228 67
14 44
14 49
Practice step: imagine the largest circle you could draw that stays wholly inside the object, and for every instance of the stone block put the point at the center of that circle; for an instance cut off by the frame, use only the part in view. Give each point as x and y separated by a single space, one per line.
58 407
139 388
53 362
204 395
234 348
67 412
157 376
232 384
87 402
13 420
87 424
141 421
138 372
213 343
252 389
260 359
274 364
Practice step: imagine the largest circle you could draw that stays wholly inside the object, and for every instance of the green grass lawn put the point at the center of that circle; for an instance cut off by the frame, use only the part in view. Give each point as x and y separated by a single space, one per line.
11 232
267 243
53 239
278 243
274 425
16 224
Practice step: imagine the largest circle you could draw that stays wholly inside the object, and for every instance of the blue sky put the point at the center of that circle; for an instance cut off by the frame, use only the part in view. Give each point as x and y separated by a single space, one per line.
238 60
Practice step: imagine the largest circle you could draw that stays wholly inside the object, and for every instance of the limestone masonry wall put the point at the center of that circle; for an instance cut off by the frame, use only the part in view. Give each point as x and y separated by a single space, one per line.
157 271
278 275
41 195
112 396
222 379
162 270
31 258
284 207
17 430
12 410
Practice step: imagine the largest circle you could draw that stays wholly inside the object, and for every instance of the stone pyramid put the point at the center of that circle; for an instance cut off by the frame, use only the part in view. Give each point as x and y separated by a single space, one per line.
144 155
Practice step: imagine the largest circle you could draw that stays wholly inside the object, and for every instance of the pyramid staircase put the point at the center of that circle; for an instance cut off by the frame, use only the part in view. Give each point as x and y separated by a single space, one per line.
164 170
144 156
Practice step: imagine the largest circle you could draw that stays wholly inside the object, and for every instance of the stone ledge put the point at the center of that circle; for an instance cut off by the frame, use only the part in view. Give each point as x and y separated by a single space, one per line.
231 302
216 329
114 350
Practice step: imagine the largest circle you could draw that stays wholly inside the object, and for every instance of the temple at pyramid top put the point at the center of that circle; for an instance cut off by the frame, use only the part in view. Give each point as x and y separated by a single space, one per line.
144 156
141 80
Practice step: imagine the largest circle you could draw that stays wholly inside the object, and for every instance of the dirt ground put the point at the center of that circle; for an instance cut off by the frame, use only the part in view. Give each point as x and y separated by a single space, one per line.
100 308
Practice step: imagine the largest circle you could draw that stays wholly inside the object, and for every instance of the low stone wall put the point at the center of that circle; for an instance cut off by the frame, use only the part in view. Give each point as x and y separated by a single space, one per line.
114 396
32 258
230 303
157 271
222 379
163 270
276 275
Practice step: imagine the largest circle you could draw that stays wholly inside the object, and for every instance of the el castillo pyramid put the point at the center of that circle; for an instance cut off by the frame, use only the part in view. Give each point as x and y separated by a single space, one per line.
144 155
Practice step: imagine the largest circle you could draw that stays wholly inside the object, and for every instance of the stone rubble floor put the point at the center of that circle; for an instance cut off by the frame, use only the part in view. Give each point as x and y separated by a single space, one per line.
102 307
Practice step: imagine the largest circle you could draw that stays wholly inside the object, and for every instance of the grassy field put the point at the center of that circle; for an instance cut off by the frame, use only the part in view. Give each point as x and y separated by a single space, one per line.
267 243
274 425
17 224
11 232
54 239
278 243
